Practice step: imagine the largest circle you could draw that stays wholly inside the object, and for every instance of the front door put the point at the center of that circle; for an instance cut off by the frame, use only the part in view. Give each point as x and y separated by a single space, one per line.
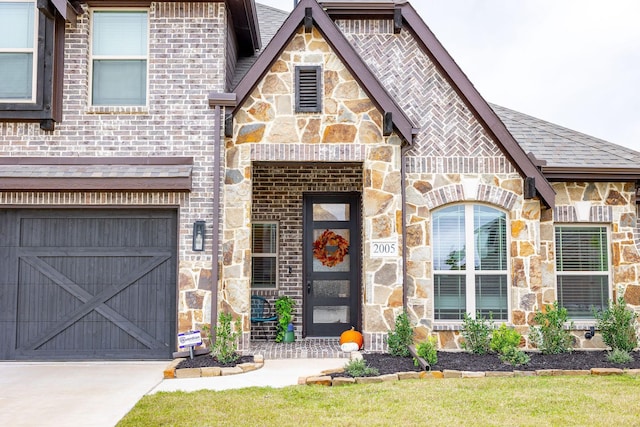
331 263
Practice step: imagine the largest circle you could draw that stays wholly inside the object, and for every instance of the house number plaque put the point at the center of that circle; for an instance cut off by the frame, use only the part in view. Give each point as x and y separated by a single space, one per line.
384 248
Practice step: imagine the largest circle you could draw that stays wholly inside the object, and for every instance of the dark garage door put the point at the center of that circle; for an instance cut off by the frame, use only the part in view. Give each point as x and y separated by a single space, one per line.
87 284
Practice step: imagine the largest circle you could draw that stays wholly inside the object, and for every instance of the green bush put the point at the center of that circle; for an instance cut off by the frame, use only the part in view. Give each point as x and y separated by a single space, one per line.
514 356
476 334
504 338
284 309
617 324
428 350
359 368
226 344
550 336
401 337
619 356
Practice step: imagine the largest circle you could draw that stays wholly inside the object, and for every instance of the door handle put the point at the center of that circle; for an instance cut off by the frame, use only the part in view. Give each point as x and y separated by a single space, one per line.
309 287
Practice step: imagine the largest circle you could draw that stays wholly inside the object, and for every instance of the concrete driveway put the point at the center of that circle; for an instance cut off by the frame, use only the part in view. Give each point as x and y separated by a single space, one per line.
73 393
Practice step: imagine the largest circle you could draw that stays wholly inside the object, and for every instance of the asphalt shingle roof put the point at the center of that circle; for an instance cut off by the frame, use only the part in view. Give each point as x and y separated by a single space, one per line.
562 147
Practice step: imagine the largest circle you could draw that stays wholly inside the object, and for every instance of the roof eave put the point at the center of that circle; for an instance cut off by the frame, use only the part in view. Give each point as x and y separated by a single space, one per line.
580 174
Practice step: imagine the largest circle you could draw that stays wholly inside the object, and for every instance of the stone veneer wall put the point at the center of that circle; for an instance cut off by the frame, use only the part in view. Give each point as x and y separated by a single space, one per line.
277 196
187 44
349 130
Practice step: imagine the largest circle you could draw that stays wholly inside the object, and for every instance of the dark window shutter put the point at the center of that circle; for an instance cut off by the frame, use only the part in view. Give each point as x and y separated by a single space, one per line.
308 89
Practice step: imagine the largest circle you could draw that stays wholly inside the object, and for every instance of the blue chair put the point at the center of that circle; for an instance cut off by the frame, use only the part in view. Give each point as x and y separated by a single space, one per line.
261 310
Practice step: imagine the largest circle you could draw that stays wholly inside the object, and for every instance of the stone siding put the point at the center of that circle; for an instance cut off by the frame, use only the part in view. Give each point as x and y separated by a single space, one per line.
348 130
187 44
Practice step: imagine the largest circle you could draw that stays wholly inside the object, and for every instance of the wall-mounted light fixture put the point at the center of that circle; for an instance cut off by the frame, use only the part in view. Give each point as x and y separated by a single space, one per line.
198 236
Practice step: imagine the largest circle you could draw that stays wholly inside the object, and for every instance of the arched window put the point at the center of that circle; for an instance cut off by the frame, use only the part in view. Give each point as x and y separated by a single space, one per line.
470 262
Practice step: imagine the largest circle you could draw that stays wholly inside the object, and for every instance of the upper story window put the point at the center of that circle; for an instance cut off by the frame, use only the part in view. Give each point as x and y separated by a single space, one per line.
119 58
582 265
264 255
470 263
18 50
31 61
308 89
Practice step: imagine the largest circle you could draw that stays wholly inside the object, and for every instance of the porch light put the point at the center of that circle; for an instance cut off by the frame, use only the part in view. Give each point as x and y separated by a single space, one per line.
198 236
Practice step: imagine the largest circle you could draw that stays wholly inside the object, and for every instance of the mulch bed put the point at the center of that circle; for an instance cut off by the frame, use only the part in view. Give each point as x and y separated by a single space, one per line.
460 361
206 361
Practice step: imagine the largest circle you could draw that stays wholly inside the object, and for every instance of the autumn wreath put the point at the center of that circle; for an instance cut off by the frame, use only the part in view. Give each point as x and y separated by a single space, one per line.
329 238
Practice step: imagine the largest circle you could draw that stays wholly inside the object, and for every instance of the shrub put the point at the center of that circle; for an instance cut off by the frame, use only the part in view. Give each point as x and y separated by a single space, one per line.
401 337
428 350
504 338
359 368
476 334
550 336
226 344
514 356
617 325
619 356
284 309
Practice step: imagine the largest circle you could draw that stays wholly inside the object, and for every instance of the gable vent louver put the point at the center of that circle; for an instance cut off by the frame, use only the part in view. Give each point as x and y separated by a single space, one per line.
308 89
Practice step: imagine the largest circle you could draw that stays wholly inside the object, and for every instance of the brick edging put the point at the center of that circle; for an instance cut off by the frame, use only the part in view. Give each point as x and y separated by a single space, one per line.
326 379
171 372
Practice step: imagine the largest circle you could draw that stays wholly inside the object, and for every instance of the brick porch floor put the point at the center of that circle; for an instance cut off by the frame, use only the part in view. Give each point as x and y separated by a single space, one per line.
323 348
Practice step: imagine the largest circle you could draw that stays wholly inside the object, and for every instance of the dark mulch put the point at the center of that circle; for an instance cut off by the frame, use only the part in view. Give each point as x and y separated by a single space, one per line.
207 361
462 361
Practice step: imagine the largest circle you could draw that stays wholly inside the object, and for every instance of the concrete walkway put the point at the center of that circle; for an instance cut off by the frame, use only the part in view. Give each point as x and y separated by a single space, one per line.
274 373
96 394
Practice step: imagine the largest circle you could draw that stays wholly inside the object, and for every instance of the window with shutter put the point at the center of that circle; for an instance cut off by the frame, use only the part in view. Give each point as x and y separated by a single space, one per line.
582 264
308 89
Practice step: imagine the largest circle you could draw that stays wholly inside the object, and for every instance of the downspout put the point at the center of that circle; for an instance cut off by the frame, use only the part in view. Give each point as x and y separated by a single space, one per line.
215 241
217 100
403 194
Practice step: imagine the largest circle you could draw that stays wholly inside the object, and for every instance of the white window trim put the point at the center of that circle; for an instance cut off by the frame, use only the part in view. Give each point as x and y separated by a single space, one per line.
33 50
275 255
470 285
92 57
585 321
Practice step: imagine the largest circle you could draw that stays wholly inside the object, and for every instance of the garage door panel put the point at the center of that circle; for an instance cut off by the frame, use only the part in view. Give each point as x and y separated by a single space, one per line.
95 285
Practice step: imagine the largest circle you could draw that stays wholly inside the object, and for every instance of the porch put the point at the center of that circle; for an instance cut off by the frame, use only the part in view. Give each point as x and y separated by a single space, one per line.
318 348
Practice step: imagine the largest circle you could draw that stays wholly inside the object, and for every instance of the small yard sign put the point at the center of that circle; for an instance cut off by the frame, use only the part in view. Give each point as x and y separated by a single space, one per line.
189 339
384 248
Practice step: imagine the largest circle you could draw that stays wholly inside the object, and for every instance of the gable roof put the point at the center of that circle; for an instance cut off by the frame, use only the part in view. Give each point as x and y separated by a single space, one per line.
341 48
568 154
475 102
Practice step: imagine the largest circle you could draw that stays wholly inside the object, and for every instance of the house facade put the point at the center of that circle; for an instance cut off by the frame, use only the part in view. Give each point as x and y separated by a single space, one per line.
337 155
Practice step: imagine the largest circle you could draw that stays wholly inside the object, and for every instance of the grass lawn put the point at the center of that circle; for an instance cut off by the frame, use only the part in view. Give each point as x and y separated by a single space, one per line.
527 401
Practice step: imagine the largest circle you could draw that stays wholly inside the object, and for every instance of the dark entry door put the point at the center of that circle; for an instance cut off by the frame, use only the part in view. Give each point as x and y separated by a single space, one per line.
331 263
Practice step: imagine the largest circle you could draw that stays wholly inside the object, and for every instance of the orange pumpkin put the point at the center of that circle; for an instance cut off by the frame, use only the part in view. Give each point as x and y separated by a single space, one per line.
352 336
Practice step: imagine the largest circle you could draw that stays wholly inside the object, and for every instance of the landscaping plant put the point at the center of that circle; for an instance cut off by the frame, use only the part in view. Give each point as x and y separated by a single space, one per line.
617 324
284 309
401 337
505 342
549 335
359 368
476 334
428 350
619 356
226 344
